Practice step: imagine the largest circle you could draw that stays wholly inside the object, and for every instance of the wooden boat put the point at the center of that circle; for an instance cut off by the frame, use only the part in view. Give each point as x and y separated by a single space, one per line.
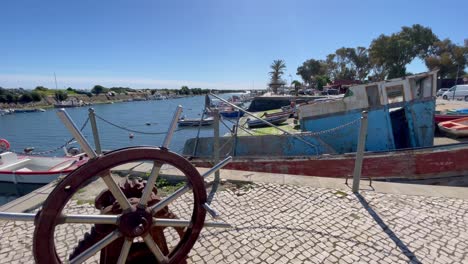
36 169
447 117
288 111
232 113
275 120
457 127
463 111
436 164
195 122
399 137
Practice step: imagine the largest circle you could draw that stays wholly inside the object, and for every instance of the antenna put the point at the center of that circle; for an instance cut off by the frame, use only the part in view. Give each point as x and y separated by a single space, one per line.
55 77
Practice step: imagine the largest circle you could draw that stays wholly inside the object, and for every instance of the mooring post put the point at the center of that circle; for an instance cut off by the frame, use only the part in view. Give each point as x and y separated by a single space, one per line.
360 152
216 149
75 131
92 119
172 127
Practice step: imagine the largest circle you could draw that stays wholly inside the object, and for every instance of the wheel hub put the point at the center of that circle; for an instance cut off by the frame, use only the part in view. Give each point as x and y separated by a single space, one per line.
135 223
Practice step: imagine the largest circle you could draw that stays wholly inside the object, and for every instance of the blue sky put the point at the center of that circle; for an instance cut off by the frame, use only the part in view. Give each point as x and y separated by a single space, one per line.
209 44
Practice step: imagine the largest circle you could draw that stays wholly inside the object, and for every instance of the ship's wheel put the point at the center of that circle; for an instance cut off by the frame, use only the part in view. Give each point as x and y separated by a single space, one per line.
131 217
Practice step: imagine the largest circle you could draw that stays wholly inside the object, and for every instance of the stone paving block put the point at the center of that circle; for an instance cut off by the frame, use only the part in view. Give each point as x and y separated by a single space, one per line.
275 223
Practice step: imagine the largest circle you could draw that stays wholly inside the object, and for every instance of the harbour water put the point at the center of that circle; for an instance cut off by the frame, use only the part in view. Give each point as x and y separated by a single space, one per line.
44 131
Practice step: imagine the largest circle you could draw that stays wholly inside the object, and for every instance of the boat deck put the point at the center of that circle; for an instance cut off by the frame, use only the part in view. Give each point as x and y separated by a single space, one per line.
288 126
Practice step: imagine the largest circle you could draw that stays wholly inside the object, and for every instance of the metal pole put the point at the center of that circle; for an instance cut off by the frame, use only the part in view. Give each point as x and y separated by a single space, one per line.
179 192
66 119
456 82
216 149
360 152
92 120
194 153
172 127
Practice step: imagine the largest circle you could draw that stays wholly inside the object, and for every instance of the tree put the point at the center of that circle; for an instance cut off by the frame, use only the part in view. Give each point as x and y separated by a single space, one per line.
98 89
339 66
41 88
184 90
60 96
25 98
310 69
296 85
449 58
277 69
11 98
391 54
360 59
321 81
36 96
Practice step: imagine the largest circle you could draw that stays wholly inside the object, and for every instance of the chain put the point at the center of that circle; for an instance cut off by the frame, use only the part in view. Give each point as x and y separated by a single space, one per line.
331 130
54 149
131 130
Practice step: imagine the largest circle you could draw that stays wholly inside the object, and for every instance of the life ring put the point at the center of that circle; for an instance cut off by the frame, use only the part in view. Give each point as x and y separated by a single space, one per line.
4 144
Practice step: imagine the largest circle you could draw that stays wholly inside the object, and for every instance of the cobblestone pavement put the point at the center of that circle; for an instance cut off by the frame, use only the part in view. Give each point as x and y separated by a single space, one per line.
292 224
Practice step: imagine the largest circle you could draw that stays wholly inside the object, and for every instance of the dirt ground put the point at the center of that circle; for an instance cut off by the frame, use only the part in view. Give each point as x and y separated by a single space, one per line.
442 105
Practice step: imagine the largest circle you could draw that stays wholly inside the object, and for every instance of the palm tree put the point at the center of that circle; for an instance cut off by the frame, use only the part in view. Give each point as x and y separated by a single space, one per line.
297 84
277 68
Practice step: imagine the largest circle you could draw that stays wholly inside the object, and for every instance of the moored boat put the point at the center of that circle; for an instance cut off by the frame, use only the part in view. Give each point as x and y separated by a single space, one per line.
439 164
456 127
447 117
232 113
196 122
36 169
275 120
399 137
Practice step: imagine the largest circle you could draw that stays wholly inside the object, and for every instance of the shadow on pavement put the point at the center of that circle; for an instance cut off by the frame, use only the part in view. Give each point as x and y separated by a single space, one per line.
404 249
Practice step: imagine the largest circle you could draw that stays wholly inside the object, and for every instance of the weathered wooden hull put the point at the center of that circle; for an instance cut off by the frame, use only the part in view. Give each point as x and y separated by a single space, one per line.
410 164
195 122
275 120
457 127
232 114
442 118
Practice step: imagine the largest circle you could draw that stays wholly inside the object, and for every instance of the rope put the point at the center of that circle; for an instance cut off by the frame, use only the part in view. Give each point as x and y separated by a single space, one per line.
228 128
54 149
316 133
132 130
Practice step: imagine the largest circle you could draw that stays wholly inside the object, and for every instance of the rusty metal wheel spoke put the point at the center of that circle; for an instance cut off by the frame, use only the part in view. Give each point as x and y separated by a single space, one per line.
116 191
149 185
169 199
125 250
155 249
134 218
96 248
88 219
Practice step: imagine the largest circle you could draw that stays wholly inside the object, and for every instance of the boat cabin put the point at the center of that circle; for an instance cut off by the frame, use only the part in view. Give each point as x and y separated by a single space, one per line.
400 115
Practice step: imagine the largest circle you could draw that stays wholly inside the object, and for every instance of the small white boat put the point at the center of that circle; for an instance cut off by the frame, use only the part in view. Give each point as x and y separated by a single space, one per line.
456 127
274 119
196 122
36 169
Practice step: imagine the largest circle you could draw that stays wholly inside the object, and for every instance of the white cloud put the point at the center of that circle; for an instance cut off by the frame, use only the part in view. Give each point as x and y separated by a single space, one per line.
82 82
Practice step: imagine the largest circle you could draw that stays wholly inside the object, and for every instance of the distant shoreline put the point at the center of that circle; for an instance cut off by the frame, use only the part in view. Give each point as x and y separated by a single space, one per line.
49 101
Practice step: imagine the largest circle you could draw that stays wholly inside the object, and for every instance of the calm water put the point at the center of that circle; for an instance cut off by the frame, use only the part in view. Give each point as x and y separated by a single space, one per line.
44 130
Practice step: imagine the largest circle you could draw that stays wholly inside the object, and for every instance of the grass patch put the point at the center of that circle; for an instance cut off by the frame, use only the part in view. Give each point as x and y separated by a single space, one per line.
81 202
165 187
340 194
355 216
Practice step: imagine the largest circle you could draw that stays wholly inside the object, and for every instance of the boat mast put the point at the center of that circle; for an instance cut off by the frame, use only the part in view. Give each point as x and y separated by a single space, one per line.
55 77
